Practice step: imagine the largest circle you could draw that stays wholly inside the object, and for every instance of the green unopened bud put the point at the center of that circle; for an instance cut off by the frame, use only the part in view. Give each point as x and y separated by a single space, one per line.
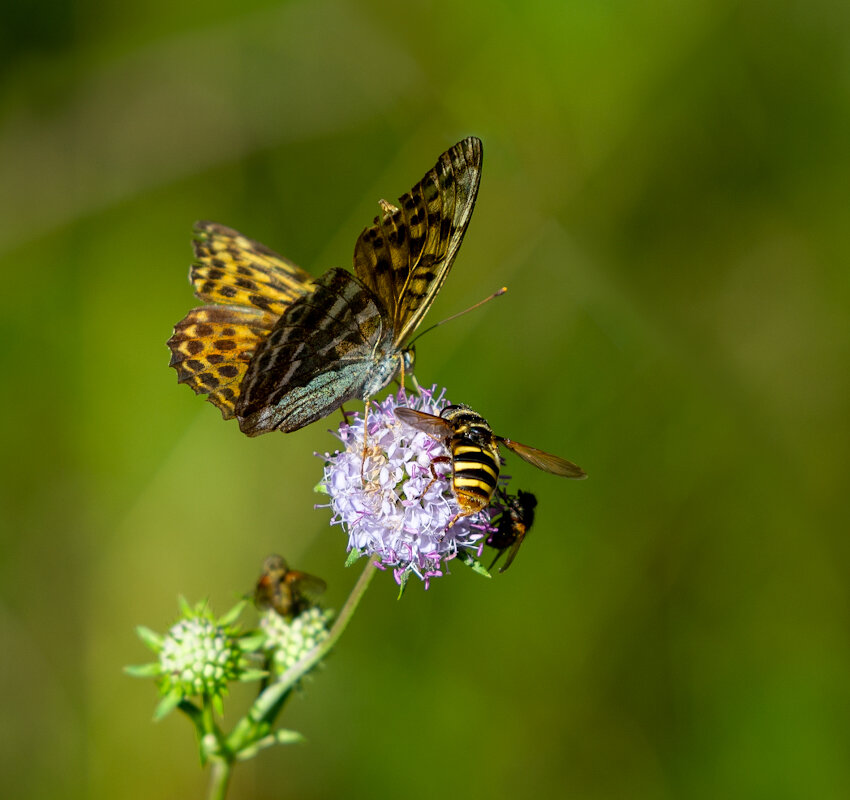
288 642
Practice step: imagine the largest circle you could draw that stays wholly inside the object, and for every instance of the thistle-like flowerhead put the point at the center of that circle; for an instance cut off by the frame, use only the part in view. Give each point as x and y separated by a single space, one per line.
390 504
199 656
288 641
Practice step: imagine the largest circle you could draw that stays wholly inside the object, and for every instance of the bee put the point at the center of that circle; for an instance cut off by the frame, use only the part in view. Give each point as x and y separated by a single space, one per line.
513 526
475 458
287 591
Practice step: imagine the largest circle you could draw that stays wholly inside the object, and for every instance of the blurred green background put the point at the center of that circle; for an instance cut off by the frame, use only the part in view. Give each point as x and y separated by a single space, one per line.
665 192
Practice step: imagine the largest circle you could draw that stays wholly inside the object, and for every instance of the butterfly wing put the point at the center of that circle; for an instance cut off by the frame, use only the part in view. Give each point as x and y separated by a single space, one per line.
545 461
211 348
232 269
212 345
318 356
405 256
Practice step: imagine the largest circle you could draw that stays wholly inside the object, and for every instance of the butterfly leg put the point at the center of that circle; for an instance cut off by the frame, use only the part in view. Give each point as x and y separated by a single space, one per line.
365 441
344 415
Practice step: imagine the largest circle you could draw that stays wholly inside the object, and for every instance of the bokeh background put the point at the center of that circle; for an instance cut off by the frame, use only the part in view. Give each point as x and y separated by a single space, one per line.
665 192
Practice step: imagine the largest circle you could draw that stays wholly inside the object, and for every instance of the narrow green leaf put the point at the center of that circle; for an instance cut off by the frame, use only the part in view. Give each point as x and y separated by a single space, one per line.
288 737
474 564
253 675
143 670
253 641
167 704
231 616
151 638
352 557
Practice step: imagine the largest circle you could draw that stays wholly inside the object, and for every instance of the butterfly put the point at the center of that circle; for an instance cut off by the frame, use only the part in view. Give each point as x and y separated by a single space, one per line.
343 336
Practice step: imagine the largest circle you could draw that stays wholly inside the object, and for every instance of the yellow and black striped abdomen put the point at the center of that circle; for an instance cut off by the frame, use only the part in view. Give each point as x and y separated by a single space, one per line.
475 471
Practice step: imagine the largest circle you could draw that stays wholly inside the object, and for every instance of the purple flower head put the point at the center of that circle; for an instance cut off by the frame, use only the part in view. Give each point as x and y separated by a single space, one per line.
396 510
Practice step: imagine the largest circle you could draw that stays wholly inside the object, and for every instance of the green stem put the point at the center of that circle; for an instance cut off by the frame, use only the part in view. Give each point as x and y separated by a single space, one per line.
268 704
219 780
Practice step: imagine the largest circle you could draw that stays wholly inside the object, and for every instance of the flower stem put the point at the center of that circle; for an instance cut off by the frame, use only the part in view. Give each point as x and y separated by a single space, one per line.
219 779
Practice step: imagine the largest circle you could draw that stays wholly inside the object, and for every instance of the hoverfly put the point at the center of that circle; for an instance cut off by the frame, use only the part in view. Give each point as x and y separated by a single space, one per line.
475 455
512 526
287 591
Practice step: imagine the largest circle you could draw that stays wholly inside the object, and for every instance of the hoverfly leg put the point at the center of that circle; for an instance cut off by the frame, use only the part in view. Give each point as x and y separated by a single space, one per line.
434 476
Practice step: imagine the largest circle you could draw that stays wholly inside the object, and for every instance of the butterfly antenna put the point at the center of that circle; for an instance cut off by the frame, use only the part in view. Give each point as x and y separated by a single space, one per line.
460 313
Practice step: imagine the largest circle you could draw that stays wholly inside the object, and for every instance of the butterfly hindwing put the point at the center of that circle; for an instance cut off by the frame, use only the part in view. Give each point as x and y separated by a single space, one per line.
316 358
211 348
406 254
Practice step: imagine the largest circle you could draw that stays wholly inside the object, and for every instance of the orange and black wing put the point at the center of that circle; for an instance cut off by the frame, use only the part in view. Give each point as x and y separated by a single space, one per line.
212 345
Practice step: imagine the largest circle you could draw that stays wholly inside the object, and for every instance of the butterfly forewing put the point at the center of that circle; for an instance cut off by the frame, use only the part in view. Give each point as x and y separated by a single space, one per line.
405 256
313 360
234 270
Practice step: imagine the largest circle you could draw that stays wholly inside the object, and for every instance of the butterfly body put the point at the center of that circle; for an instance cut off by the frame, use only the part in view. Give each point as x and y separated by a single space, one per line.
319 343
285 391
474 449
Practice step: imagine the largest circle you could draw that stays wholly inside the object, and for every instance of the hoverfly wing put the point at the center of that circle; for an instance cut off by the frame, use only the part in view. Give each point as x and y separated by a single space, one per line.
305 584
427 423
406 254
514 549
316 358
545 461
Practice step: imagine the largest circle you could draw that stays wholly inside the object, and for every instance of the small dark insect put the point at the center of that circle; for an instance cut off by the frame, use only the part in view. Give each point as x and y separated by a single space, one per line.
287 591
475 455
512 526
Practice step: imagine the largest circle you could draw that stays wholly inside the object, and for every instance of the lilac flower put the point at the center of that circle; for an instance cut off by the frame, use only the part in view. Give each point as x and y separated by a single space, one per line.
397 510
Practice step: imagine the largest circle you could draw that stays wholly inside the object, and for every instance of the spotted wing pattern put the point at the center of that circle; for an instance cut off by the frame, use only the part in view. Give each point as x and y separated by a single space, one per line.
232 269
405 256
212 345
314 359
